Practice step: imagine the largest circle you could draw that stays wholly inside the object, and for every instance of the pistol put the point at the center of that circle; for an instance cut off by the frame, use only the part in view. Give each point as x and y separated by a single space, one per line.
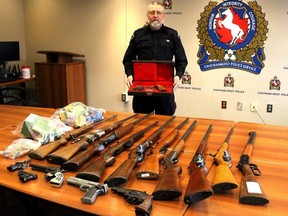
19 165
136 197
93 189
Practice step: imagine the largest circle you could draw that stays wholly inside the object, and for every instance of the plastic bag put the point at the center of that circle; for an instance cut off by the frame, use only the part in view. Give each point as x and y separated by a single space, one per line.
41 129
20 147
77 114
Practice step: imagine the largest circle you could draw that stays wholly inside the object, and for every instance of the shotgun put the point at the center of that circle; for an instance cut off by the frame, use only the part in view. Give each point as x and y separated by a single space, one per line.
136 155
62 155
75 162
149 169
250 189
198 187
43 151
168 186
94 171
223 179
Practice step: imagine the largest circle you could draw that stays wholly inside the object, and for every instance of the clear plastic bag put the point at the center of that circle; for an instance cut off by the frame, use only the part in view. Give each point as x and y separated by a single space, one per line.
20 147
77 114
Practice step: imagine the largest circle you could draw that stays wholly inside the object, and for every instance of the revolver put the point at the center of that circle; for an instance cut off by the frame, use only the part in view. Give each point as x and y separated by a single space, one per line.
18 165
93 189
52 174
136 197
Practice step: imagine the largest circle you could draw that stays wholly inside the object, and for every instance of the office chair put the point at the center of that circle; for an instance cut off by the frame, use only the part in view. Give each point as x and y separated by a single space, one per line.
16 96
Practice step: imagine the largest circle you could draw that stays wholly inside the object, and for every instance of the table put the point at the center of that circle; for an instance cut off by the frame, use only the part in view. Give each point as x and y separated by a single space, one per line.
269 154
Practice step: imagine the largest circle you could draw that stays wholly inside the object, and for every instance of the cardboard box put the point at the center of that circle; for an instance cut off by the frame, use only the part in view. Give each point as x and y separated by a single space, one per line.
152 78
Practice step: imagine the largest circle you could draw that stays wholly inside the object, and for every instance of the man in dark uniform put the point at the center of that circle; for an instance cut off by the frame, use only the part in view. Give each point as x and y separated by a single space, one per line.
155 41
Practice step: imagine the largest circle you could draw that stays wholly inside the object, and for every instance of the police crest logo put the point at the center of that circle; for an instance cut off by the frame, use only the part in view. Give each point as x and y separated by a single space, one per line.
229 81
232 34
274 84
186 78
167 4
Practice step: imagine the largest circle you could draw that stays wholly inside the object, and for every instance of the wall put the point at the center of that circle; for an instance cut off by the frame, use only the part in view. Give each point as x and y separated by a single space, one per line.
95 28
101 29
12 24
204 96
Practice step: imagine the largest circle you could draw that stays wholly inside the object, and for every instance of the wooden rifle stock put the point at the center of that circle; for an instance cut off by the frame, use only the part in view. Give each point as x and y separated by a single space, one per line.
94 171
198 186
119 132
136 155
43 151
250 190
122 173
64 154
149 169
223 179
168 186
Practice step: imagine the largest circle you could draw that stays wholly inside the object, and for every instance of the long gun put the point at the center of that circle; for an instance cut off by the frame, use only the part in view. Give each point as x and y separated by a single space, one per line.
136 155
62 155
75 162
94 171
198 187
168 186
43 151
149 168
223 179
250 189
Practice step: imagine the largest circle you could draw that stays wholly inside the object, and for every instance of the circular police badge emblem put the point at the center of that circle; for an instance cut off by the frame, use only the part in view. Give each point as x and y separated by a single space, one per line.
232 34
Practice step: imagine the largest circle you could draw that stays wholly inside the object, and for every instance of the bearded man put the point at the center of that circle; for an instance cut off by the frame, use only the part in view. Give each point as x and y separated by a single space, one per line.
156 42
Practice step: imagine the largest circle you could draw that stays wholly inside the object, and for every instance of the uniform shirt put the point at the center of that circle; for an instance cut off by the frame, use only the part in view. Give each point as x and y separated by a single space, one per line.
147 44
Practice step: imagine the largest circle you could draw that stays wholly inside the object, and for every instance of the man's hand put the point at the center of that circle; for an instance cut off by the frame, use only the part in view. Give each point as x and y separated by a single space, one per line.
176 83
129 81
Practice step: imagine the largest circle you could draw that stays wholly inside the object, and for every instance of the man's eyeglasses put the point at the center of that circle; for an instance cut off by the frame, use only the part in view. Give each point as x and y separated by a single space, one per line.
155 12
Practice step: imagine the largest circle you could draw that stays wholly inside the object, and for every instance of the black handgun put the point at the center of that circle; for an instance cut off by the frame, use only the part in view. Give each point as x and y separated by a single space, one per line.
19 165
26 176
136 197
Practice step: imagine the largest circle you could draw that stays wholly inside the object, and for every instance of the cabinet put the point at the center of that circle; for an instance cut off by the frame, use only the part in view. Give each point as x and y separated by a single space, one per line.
59 83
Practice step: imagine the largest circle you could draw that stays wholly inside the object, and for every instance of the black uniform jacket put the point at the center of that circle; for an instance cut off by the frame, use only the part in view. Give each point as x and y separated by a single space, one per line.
147 44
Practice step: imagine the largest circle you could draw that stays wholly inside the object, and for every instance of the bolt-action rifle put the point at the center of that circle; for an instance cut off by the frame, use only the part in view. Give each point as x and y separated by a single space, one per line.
94 171
168 186
62 155
136 155
149 168
198 187
250 189
223 179
44 150
75 162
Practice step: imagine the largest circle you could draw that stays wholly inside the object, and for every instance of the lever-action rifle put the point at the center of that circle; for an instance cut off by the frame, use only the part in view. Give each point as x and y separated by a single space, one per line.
198 186
94 171
62 155
44 150
223 179
136 197
149 168
168 186
250 189
77 161
136 155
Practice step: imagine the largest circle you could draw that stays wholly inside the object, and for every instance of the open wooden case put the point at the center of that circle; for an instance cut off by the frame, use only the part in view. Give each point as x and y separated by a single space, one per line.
152 78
